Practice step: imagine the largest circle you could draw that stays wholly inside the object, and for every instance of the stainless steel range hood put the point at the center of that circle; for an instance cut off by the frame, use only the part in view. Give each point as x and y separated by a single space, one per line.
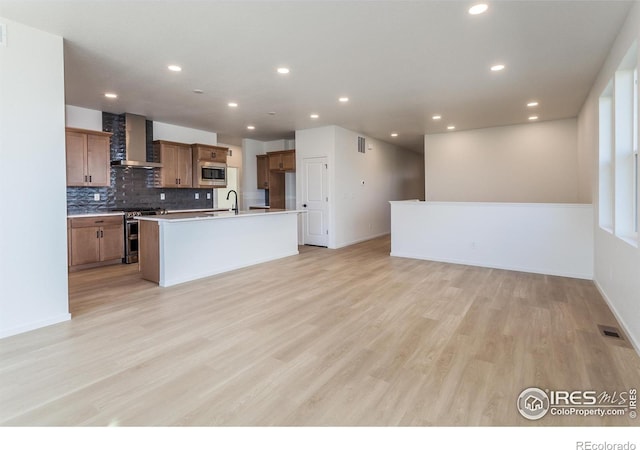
135 144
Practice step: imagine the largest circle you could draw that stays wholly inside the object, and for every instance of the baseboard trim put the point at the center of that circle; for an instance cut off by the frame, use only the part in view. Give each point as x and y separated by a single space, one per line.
625 328
582 276
357 241
35 325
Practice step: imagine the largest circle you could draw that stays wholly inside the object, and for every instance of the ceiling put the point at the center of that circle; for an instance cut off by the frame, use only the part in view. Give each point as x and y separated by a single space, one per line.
398 62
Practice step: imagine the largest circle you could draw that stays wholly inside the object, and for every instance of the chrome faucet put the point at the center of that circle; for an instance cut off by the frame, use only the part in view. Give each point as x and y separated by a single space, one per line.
235 208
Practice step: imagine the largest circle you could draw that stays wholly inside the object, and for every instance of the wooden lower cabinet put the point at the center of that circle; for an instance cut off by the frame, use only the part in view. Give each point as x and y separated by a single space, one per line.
149 237
95 241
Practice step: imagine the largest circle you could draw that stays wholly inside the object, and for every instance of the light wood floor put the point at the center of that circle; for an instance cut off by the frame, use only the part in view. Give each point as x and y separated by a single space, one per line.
328 337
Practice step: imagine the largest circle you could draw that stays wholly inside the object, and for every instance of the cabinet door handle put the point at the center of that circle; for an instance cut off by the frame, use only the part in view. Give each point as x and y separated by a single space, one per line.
89 178
101 233
99 221
85 179
98 234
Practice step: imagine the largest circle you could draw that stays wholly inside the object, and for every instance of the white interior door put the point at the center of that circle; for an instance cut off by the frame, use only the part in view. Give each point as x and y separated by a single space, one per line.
315 200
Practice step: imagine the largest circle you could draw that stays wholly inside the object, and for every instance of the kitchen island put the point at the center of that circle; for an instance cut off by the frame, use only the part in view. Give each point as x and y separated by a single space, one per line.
183 247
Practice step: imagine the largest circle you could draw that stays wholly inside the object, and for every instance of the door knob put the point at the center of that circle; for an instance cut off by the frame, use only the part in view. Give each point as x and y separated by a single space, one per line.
304 205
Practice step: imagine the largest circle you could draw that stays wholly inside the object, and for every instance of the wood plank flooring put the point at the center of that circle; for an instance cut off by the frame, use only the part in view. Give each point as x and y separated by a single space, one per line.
328 337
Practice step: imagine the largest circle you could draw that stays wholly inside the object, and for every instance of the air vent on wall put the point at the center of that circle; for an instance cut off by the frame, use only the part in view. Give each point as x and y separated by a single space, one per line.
361 144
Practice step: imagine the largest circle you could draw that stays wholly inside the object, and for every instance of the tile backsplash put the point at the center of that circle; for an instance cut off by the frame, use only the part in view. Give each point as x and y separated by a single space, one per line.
132 188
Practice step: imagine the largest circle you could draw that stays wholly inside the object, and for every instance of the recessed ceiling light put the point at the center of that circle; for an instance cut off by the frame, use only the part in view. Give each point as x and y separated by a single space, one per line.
533 117
198 91
283 70
451 127
232 105
314 116
250 127
174 68
343 99
478 9
394 134
532 104
497 68
437 117
110 95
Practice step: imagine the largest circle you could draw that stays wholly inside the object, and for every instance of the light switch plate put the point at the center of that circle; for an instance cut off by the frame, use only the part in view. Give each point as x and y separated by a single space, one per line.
208 195
162 196
96 197
197 196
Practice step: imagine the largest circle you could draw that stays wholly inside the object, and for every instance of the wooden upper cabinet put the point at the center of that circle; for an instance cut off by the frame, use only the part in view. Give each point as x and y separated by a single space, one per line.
76 158
176 171
263 171
203 152
88 157
282 161
289 161
98 160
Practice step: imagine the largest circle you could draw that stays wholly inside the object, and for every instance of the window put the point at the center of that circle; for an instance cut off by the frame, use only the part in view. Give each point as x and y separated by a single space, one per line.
605 176
635 151
618 152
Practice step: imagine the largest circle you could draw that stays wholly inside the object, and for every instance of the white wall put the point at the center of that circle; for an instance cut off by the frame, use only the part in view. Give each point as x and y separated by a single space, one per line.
358 211
91 119
554 239
617 263
534 162
280 144
33 248
168 132
87 119
365 183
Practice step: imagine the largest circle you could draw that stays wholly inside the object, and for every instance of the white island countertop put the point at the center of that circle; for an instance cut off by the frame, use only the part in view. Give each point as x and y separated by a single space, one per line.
210 215
180 247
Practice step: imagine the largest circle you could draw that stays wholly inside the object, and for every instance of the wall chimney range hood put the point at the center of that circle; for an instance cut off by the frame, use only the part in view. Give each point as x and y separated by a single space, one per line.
135 144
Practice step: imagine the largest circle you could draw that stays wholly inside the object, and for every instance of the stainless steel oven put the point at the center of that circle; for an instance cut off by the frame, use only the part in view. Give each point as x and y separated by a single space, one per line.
131 241
131 231
211 174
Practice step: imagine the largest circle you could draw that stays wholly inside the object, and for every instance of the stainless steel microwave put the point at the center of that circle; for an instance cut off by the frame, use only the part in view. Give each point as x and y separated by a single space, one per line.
211 174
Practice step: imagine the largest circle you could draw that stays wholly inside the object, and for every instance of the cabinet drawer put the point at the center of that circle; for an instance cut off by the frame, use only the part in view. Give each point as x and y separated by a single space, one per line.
98 221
